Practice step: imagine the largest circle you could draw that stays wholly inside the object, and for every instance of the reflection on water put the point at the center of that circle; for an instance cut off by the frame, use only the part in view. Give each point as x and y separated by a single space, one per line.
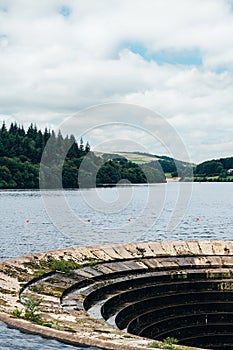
13 339
109 215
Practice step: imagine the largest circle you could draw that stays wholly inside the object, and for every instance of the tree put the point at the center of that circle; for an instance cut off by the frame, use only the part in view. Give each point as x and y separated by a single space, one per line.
87 148
81 145
6 179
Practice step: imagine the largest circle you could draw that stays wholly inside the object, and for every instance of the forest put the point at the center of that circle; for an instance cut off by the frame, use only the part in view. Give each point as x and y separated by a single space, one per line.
21 153
215 170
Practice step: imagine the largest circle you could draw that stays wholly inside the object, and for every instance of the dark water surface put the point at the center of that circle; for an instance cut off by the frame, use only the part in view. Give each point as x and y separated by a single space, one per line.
211 203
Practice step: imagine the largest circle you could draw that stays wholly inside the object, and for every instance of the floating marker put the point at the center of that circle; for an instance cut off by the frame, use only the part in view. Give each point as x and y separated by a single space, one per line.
129 219
88 220
27 221
197 218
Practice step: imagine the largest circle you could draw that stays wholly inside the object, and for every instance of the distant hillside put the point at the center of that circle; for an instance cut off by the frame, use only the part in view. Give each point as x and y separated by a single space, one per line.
210 170
136 157
172 168
214 170
21 151
20 156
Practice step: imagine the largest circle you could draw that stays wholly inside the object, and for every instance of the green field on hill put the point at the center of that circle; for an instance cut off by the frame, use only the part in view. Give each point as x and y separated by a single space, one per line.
133 157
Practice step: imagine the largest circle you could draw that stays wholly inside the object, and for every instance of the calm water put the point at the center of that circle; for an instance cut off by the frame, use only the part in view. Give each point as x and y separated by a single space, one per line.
112 215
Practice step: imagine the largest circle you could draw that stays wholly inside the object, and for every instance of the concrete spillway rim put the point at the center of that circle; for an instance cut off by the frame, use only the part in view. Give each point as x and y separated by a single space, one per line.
17 274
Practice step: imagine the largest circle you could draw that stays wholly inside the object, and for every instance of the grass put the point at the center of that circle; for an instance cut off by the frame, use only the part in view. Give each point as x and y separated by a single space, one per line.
168 175
63 265
136 158
43 266
215 178
17 312
91 263
67 265
167 343
212 177
39 273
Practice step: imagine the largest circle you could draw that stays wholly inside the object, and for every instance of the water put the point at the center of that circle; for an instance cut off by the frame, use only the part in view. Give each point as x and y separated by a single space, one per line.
13 339
148 208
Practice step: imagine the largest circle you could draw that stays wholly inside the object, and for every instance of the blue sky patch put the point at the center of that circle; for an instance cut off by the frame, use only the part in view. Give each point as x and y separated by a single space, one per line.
220 69
183 57
65 11
136 48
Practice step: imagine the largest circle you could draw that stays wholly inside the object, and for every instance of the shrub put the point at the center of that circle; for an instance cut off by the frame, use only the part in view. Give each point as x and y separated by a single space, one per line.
167 343
17 312
31 309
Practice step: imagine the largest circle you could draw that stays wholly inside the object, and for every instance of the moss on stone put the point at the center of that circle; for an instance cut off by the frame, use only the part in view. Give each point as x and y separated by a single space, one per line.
3 302
15 271
7 291
47 289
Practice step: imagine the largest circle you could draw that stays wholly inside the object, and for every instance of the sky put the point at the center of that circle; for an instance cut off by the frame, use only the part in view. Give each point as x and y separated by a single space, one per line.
173 57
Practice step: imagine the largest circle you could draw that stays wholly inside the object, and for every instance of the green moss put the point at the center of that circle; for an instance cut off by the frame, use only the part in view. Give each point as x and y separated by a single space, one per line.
38 265
60 281
15 271
11 273
46 289
156 344
39 273
45 324
42 266
52 264
167 343
91 263
63 265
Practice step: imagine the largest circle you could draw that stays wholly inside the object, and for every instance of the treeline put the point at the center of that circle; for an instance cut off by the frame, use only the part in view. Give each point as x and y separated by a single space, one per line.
160 166
124 169
21 152
215 170
170 166
176 168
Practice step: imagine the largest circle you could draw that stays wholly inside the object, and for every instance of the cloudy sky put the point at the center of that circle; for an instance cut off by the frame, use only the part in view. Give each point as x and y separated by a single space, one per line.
174 57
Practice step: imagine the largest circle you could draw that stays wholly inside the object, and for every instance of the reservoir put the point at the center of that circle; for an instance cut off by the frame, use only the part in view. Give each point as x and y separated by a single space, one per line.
27 227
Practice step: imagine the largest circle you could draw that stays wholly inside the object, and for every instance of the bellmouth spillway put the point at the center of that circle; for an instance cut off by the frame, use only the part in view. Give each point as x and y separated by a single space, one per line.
130 296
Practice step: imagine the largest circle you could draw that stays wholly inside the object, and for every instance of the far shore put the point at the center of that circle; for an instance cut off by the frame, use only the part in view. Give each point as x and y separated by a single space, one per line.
173 179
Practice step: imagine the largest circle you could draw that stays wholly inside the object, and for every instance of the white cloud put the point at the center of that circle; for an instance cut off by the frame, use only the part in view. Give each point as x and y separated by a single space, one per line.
52 65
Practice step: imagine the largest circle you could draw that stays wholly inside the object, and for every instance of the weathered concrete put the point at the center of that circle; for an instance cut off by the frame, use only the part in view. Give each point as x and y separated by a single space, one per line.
93 268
